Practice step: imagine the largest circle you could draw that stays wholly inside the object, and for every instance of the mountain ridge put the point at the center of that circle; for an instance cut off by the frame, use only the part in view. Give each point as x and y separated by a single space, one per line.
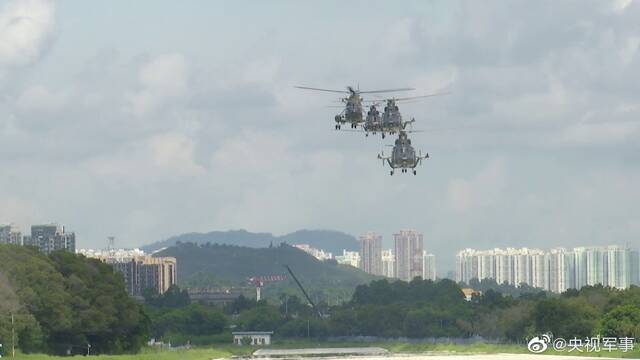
220 265
328 240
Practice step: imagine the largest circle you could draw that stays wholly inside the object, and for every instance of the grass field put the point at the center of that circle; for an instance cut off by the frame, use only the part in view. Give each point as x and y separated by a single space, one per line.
229 350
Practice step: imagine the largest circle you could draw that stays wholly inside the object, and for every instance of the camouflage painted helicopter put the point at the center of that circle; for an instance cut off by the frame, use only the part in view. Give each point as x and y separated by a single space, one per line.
403 155
353 111
390 121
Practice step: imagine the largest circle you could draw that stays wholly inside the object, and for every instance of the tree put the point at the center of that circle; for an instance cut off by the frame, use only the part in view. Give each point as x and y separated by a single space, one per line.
566 318
172 298
621 321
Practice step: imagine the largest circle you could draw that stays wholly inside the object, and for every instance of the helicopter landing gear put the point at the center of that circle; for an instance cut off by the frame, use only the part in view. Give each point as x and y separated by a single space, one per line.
367 134
415 172
383 135
337 126
391 172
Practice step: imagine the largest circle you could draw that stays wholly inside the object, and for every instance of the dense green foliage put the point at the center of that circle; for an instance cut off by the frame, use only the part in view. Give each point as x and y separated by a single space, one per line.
63 302
329 240
426 309
325 280
522 289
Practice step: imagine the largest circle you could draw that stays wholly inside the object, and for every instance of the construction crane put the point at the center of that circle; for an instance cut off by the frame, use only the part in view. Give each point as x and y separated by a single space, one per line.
313 305
259 281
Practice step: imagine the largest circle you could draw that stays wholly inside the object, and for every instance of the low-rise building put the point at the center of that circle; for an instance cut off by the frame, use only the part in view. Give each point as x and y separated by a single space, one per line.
351 258
252 337
316 253
9 234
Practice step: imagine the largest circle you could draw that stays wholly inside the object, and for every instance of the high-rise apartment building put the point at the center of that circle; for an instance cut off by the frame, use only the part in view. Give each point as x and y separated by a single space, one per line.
634 265
557 270
388 263
10 235
409 254
51 237
429 266
140 271
371 253
146 272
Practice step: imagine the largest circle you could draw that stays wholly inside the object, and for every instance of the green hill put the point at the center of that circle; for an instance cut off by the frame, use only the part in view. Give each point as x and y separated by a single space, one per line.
328 240
62 302
212 265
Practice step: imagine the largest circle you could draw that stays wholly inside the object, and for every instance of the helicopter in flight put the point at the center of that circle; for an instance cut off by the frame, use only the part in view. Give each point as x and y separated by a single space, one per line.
403 155
392 118
390 121
353 110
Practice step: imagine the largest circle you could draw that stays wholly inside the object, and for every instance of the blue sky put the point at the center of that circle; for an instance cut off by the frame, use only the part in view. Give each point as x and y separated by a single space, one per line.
147 119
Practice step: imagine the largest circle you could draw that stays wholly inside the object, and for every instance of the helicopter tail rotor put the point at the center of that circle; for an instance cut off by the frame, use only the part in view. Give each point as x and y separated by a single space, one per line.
381 157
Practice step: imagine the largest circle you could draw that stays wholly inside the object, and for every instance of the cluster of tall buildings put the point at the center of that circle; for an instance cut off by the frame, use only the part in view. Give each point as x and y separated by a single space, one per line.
47 238
141 272
406 261
555 270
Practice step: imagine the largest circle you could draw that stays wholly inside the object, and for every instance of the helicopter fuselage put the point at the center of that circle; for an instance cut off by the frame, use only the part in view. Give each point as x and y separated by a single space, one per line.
403 156
352 111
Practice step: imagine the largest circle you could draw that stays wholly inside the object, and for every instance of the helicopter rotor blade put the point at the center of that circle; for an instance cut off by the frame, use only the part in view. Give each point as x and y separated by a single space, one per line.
421 96
319 89
385 91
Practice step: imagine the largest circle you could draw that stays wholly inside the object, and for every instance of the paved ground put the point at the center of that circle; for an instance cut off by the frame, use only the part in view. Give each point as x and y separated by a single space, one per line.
381 354
321 352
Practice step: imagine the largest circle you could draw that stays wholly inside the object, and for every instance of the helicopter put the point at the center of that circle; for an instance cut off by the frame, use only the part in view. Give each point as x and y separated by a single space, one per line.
392 119
353 111
403 155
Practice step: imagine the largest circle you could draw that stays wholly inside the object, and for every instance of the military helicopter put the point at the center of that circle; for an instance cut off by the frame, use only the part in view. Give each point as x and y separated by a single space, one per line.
373 121
403 155
392 119
353 111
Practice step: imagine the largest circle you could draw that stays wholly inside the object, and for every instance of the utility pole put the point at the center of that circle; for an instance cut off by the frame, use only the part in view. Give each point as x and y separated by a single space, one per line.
308 329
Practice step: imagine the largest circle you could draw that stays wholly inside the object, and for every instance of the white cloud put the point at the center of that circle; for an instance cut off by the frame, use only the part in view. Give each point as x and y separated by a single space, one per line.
598 133
40 99
169 155
162 79
480 191
25 27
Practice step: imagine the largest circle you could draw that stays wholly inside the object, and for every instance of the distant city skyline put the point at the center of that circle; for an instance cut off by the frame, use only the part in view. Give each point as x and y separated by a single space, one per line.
556 269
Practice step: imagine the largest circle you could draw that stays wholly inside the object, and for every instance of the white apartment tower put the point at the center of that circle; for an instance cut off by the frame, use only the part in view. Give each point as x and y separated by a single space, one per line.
371 253
429 266
409 254
556 270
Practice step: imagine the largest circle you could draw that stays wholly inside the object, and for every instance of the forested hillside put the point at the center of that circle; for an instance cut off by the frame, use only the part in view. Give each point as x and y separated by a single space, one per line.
63 302
328 240
206 265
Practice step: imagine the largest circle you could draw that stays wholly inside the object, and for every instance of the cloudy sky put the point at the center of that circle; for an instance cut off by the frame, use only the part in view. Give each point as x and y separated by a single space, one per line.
147 119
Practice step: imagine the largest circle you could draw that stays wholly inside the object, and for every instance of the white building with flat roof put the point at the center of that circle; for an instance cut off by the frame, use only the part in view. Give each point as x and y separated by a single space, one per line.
429 267
351 258
555 270
254 338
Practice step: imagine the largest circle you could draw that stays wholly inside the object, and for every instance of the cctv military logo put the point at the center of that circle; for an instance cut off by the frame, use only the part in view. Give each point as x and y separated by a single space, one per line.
538 345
